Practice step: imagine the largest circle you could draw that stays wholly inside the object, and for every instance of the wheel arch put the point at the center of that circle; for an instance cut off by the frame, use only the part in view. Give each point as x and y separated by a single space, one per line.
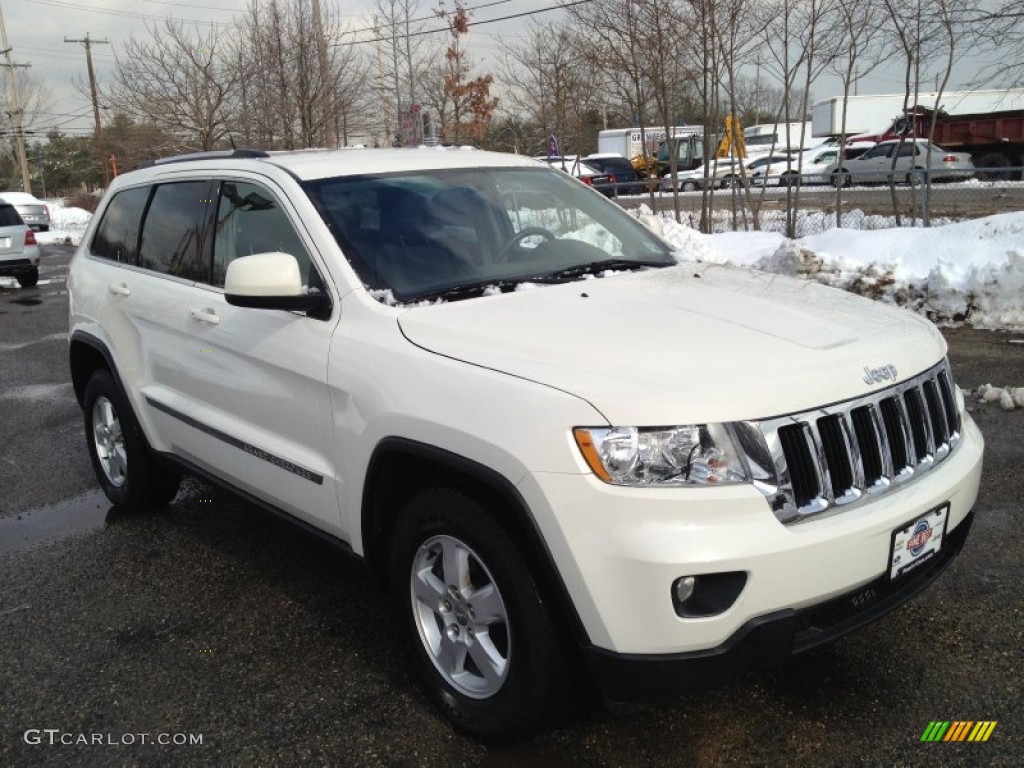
421 466
86 354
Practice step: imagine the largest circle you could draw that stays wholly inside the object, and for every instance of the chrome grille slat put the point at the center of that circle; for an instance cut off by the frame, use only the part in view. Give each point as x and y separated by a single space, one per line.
872 444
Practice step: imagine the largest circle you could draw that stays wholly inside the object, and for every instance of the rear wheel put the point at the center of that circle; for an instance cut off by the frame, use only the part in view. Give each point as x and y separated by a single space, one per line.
840 178
483 641
28 279
994 166
127 471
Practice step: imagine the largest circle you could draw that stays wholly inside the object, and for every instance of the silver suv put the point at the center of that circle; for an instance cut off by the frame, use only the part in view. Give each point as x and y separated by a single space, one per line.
19 253
553 441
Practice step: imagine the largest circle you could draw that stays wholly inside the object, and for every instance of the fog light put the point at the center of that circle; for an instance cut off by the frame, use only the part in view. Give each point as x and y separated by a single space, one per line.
683 588
708 594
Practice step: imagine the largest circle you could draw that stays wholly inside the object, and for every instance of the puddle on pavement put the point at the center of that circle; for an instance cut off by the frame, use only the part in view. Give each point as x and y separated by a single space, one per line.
36 526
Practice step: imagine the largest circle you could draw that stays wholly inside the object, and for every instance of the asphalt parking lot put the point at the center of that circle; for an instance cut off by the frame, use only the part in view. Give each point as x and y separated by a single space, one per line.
240 640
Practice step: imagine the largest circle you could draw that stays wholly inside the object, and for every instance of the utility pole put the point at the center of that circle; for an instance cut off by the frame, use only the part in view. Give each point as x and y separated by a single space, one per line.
89 43
331 138
17 111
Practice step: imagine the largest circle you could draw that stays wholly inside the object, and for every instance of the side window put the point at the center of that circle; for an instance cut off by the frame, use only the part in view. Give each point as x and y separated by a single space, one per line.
908 150
170 241
250 221
118 235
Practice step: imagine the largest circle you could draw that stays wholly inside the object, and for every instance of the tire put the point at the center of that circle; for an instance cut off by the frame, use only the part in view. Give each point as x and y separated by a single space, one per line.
916 177
689 186
841 178
494 676
730 182
124 466
789 180
28 279
994 166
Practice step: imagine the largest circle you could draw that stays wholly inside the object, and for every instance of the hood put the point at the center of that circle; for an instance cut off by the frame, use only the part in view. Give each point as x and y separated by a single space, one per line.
684 344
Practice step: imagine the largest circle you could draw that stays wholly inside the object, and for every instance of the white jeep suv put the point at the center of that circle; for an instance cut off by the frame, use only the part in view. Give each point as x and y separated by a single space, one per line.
503 392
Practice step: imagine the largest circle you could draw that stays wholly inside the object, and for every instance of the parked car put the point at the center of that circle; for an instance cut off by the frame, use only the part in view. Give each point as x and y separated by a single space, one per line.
773 170
33 211
724 172
589 175
914 161
557 447
19 253
626 180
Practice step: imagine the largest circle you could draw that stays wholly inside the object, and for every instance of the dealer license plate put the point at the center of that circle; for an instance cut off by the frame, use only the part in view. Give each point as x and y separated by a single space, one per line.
5 242
917 542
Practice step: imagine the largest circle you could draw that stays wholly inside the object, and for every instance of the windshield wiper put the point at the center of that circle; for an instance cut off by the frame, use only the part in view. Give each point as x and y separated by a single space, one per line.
596 268
479 287
463 290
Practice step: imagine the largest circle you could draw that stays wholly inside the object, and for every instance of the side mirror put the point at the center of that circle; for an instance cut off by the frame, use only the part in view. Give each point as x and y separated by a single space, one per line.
268 281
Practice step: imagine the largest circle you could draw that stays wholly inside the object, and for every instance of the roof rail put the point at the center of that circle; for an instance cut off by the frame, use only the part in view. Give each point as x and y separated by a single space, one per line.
215 154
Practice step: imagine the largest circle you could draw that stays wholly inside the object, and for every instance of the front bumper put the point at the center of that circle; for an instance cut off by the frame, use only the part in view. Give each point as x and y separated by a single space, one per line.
764 641
619 550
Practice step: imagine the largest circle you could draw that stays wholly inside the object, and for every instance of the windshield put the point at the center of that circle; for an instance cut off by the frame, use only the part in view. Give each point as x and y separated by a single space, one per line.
461 233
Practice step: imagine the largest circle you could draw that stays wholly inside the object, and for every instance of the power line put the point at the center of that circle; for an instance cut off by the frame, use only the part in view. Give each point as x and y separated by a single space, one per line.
381 39
130 14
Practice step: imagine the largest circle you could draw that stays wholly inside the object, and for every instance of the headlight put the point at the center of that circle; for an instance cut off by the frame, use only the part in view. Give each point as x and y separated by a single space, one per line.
693 454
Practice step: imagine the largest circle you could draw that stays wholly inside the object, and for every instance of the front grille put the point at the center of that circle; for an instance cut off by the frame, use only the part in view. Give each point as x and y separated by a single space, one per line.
844 453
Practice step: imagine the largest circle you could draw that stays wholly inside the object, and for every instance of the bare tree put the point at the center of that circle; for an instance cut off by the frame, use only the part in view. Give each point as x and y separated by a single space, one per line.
547 80
284 89
1000 29
857 51
177 80
796 42
404 55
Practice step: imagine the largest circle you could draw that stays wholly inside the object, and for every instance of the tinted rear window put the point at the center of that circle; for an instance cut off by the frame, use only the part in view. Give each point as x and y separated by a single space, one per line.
118 235
9 217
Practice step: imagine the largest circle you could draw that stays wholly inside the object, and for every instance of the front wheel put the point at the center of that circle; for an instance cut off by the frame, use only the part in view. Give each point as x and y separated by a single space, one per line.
482 638
126 470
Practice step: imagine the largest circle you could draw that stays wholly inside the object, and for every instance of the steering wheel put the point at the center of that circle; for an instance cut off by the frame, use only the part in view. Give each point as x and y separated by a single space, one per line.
525 232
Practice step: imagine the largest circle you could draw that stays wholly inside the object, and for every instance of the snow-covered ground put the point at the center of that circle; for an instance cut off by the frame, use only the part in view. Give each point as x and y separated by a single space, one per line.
971 271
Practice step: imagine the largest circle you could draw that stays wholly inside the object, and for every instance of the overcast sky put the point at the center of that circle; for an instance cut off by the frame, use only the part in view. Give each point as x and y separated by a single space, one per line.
36 30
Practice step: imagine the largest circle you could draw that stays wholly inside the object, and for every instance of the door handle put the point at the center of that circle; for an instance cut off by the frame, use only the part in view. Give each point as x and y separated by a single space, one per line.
204 316
119 289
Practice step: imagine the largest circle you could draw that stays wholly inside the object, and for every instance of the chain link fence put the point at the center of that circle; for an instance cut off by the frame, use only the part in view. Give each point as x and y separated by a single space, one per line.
893 200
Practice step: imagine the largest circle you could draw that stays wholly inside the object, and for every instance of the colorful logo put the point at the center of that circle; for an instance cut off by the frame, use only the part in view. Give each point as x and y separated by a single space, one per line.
922 532
958 730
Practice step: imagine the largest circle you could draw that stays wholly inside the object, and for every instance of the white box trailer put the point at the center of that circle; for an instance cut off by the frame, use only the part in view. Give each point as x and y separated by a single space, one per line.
875 113
630 142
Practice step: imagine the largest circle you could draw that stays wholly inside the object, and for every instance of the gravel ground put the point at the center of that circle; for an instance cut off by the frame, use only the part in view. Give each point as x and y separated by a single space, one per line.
213 619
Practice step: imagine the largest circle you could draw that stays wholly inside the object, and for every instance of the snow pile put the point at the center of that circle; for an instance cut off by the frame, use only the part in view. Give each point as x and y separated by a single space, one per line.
969 271
1007 397
67 225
